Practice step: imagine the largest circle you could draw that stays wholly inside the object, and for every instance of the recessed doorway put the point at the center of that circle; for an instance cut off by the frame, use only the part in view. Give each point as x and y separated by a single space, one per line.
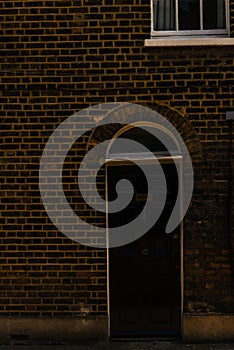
145 293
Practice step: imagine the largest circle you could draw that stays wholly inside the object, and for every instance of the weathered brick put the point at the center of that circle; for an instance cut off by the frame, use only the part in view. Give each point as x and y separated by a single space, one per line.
62 57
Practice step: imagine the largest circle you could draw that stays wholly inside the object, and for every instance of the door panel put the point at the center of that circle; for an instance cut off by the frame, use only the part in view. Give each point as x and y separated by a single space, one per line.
144 275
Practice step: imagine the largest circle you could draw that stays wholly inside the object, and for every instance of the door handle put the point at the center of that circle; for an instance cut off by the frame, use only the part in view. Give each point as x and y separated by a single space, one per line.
145 251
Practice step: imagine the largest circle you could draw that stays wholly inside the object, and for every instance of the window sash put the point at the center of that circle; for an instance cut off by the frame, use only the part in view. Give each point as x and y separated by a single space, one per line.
193 32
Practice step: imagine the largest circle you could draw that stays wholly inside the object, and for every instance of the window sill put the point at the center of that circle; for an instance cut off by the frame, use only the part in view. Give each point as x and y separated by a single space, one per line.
207 41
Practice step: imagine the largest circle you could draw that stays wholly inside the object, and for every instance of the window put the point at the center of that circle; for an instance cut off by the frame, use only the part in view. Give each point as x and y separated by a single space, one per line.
189 17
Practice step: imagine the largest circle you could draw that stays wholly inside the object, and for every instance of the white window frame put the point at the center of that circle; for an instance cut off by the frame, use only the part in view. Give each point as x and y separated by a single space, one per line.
194 33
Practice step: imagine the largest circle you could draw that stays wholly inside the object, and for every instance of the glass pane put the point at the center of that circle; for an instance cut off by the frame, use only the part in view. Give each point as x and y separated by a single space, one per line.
150 138
189 14
164 14
214 14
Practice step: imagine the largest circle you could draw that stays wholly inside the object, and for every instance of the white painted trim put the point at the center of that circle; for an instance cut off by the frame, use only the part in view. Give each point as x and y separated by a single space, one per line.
107 256
181 250
141 158
201 15
228 24
178 42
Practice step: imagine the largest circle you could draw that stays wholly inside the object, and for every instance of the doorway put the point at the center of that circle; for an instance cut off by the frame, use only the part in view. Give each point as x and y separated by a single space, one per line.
145 294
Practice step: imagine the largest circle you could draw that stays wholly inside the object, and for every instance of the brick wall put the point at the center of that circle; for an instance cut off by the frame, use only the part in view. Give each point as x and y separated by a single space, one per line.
63 56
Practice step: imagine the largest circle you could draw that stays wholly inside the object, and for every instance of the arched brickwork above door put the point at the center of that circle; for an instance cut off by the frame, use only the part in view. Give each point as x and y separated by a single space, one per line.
148 113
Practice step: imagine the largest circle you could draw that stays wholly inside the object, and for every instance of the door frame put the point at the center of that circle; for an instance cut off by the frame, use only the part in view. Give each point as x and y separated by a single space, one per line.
112 161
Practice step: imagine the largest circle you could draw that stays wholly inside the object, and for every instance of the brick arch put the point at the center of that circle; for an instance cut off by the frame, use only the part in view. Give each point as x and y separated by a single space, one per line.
148 113
184 128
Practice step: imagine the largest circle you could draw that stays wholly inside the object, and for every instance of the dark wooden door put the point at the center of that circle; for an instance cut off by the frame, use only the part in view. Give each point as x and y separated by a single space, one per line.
144 275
